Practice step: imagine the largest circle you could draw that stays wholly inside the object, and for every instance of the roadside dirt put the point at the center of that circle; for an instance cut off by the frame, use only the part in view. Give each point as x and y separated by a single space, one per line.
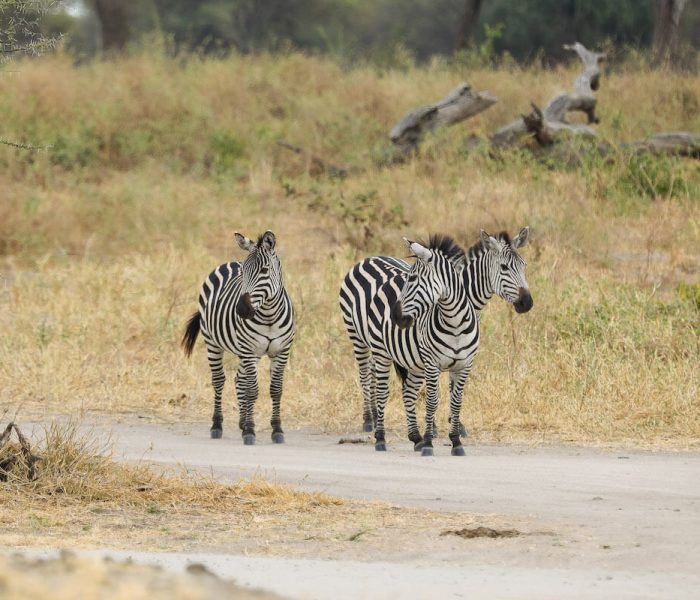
581 522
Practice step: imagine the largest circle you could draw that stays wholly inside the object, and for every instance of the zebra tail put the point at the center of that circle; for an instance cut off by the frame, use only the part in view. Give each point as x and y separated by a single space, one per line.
401 372
191 333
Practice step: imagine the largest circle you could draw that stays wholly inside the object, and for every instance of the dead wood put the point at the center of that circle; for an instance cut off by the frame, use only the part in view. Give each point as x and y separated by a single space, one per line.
547 124
674 143
12 455
460 104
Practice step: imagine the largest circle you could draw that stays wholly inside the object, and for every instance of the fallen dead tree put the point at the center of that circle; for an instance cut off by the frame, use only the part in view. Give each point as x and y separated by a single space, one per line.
460 104
546 125
549 127
16 455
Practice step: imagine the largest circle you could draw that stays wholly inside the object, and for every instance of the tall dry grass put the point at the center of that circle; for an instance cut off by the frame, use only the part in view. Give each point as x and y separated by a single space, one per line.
156 161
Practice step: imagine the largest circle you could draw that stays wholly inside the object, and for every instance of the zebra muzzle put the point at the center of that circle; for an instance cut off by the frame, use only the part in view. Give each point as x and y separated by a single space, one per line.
524 301
244 307
398 317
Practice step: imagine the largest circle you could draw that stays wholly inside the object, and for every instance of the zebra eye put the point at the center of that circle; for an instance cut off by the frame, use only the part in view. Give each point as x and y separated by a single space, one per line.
264 270
412 278
504 267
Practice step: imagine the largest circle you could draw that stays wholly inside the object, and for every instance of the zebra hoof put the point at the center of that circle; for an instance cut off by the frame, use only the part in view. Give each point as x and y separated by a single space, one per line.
427 451
380 446
278 437
458 451
216 434
249 439
418 446
367 427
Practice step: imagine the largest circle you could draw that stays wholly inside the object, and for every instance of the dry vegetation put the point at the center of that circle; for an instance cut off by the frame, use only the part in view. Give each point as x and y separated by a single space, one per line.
156 161
81 498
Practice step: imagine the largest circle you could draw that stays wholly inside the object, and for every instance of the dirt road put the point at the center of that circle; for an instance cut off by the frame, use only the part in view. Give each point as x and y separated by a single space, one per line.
597 523
592 523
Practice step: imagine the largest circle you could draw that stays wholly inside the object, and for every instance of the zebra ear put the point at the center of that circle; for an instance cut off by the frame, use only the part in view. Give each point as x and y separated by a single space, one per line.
489 242
244 242
420 252
521 238
269 240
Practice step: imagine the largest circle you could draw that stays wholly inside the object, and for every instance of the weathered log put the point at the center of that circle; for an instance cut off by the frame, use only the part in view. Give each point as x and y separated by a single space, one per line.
571 151
548 123
460 104
675 143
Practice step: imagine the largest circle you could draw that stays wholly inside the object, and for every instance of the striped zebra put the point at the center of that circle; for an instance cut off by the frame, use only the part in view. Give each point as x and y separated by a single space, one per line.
493 266
245 309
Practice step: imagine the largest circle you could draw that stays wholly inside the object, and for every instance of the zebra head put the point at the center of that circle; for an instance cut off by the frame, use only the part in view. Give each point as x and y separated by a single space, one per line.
432 278
261 272
506 268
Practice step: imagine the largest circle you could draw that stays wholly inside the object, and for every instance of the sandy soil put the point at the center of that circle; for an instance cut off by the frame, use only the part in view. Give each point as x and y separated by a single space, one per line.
595 523
65 576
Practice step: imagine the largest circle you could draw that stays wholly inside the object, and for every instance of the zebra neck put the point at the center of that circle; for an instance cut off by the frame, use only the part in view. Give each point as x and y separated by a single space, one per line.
452 311
477 282
272 308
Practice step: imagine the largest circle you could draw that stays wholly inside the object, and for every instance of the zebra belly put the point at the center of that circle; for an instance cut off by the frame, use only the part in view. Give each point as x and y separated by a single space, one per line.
248 341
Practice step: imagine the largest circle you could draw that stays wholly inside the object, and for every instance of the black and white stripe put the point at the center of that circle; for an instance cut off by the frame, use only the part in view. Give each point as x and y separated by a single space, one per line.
245 309
491 266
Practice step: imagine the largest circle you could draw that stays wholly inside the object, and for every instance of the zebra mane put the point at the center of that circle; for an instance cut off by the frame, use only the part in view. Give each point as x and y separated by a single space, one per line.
478 248
445 244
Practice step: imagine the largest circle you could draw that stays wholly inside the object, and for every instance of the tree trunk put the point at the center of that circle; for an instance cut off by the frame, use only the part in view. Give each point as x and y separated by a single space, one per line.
465 33
666 25
114 23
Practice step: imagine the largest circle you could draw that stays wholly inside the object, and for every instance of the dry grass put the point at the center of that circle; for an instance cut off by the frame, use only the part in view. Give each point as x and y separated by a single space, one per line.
81 498
105 239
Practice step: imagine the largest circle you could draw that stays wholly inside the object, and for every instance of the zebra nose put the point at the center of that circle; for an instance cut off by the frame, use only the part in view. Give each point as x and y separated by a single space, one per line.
524 302
244 307
398 317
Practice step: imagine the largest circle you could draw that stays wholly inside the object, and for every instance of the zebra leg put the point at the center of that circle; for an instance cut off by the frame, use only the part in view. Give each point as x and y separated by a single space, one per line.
409 391
372 393
381 370
277 365
215 357
366 367
462 429
240 396
248 382
432 375
456 392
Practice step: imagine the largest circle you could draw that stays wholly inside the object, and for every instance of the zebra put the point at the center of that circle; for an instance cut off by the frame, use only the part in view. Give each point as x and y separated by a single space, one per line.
493 266
245 309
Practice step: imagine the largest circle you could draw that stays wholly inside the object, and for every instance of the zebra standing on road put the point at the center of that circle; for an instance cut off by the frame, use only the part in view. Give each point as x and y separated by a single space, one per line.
493 266
245 309
424 325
